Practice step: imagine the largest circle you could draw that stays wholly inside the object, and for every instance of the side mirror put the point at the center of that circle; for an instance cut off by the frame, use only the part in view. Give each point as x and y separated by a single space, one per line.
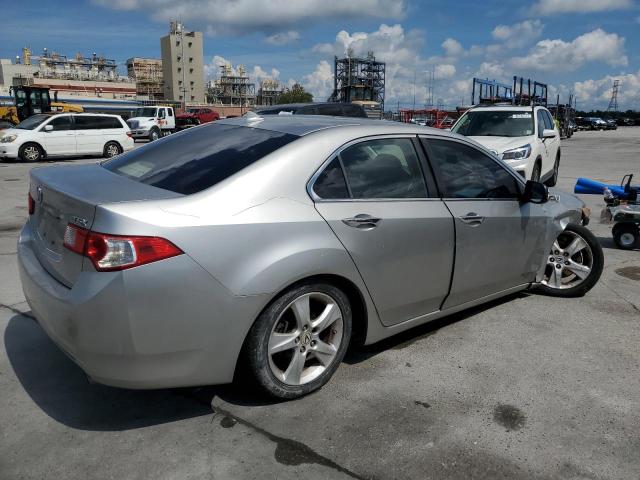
48 128
535 192
548 133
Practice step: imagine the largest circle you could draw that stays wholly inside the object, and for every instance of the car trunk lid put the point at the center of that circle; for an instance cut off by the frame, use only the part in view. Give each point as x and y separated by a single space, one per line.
70 194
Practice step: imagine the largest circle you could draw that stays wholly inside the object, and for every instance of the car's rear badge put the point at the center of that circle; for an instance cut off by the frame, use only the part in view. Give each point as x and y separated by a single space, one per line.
81 222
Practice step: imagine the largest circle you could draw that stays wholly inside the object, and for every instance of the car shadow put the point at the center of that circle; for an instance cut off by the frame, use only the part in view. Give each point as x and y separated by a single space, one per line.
60 388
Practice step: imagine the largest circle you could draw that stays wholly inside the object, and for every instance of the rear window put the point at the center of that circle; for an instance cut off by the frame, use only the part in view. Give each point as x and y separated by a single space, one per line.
198 158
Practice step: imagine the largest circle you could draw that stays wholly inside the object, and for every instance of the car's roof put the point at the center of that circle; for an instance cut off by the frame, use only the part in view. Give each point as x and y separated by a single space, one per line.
285 106
505 108
305 124
81 114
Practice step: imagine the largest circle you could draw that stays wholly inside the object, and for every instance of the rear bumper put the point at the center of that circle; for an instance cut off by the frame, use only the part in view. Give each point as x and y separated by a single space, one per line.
167 324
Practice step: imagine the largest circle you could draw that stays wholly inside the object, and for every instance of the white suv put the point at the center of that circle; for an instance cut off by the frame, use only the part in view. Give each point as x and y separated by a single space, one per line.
524 137
65 134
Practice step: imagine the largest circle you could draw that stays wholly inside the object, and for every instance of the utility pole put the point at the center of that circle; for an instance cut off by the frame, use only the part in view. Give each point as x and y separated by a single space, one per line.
613 103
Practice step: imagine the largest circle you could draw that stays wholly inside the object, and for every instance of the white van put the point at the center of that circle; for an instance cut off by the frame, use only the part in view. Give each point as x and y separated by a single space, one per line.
66 134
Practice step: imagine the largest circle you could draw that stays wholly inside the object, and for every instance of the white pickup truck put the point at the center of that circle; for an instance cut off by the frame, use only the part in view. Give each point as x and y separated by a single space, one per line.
152 122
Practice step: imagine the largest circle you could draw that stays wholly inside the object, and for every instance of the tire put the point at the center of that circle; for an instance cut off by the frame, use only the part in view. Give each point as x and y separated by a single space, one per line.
535 173
579 264
31 152
271 362
111 149
154 134
554 178
626 235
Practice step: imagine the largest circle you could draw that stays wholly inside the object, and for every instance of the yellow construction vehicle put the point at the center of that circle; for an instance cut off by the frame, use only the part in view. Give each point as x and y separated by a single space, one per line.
29 100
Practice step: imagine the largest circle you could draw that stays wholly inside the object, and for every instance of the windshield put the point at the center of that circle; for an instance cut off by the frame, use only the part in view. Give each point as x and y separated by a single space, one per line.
508 123
198 158
145 112
32 122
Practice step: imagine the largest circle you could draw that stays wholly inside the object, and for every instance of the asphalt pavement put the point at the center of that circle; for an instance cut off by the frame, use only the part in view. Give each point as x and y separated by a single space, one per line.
527 387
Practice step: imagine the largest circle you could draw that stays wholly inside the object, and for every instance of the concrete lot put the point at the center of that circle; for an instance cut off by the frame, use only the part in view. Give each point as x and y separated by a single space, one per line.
529 387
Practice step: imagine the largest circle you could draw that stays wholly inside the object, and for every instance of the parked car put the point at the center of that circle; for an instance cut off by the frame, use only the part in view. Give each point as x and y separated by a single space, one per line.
334 109
64 134
151 123
195 116
611 124
594 123
626 122
525 137
383 226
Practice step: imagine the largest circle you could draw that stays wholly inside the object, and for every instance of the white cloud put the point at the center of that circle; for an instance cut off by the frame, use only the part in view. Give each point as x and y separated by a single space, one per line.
491 70
452 47
240 17
283 38
598 92
320 82
558 55
551 7
444 71
518 35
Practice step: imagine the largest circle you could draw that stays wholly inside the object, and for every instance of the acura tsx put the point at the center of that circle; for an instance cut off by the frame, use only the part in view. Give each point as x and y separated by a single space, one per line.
274 243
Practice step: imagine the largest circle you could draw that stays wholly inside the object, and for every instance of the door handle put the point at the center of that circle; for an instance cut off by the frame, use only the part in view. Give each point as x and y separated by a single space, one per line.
472 218
362 221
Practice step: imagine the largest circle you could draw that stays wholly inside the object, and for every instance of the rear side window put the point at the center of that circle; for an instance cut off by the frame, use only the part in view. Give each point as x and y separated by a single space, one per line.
84 123
198 158
385 168
330 184
96 123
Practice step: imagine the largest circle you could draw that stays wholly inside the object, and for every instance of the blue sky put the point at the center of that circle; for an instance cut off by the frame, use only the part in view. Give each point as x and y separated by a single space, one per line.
576 46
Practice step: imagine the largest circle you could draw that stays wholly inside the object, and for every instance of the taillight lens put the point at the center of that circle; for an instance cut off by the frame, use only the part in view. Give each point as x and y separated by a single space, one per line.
117 252
32 204
129 134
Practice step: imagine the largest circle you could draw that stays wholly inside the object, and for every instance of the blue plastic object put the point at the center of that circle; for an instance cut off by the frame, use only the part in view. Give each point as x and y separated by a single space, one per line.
591 187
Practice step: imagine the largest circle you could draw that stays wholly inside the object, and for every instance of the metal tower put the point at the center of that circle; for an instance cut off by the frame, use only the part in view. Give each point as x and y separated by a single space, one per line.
613 103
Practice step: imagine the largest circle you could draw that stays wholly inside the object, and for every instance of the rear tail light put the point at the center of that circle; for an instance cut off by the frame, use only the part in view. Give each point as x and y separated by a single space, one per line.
129 134
32 205
117 252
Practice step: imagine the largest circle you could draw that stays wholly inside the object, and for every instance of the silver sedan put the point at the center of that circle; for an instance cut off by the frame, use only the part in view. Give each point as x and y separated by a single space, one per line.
276 243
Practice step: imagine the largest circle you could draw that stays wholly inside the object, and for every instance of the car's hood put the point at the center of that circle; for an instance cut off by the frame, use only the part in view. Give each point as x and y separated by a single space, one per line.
502 144
12 131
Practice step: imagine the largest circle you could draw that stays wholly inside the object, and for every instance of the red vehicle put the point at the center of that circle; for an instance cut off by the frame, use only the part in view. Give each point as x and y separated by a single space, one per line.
195 116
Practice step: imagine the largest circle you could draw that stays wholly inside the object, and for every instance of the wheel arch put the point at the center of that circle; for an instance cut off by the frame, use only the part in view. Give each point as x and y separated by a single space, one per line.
33 142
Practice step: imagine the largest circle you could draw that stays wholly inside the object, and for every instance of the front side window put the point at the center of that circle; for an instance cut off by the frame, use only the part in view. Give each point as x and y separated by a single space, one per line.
61 123
197 159
145 112
465 172
541 125
383 168
495 123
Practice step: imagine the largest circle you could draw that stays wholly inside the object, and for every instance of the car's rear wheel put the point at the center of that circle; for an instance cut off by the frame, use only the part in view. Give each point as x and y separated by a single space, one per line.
298 342
626 235
30 152
111 149
574 264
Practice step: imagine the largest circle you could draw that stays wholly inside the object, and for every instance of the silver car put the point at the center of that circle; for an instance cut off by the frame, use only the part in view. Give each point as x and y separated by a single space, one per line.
275 243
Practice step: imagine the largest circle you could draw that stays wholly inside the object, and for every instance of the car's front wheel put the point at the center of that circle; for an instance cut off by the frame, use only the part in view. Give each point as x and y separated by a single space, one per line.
30 152
574 264
298 342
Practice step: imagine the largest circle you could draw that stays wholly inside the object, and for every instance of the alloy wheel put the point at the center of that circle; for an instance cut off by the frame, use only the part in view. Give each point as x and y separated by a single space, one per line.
32 153
112 150
569 263
305 338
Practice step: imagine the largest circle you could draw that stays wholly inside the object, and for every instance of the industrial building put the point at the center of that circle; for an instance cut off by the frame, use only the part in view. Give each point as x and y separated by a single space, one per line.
183 65
358 79
233 88
269 92
147 74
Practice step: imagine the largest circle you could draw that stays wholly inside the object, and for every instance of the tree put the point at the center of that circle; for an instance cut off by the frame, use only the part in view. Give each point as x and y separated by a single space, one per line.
295 94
